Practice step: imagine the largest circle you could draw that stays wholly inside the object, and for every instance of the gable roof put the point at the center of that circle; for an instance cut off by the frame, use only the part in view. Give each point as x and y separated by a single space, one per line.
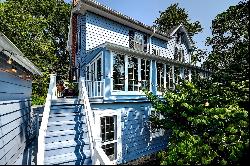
8 48
90 5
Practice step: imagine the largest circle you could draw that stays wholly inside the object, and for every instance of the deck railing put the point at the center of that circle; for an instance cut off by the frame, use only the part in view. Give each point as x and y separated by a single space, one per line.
98 156
94 88
42 131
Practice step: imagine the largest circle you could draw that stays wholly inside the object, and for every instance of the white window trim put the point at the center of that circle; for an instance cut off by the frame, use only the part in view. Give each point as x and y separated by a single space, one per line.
126 92
101 113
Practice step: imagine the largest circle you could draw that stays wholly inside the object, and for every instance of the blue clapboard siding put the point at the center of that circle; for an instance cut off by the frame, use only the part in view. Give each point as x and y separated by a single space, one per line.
135 129
13 87
17 124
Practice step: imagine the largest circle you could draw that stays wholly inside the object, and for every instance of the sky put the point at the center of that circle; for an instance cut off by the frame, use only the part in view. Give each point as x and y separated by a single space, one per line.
147 11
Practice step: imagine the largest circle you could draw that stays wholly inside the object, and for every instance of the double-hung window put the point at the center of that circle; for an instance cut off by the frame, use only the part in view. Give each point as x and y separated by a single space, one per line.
108 127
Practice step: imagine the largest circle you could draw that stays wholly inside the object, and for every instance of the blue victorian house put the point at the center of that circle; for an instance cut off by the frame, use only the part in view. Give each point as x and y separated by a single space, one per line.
113 58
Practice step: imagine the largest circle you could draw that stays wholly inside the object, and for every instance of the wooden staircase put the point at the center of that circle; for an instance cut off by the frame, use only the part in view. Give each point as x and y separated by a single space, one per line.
66 140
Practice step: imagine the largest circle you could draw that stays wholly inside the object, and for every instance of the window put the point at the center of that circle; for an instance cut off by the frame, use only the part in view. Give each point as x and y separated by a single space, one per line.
130 73
171 77
118 72
179 55
177 75
154 130
137 41
186 74
94 76
160 77
109 140
133 74
108 126
145 73
156 51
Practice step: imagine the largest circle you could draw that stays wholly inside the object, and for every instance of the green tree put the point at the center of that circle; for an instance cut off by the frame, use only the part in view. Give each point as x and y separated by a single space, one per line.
174 16
205 123
39 29
229 58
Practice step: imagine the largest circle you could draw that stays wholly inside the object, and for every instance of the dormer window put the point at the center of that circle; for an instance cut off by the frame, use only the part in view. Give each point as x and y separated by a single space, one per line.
179 55
137 41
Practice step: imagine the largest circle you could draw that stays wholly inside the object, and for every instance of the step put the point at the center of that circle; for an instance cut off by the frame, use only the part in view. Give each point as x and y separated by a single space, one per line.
66 117
65 135
57 148
66 125
69 159
67 109
62 144
65 102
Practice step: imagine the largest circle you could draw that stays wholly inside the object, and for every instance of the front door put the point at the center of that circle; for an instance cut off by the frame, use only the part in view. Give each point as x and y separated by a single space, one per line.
94 77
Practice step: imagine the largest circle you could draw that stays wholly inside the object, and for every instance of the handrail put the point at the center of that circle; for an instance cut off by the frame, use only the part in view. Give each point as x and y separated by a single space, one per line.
83 95
42 131
97 153
100 157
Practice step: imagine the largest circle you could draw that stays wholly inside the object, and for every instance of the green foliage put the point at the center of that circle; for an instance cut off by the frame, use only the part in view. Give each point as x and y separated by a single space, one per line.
200 134
174 16
39 28
229 58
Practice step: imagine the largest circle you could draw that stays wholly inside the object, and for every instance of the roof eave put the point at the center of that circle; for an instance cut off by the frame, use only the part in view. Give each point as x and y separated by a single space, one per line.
17 55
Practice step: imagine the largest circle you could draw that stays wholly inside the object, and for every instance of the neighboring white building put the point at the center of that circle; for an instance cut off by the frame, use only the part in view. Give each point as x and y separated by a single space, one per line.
17 124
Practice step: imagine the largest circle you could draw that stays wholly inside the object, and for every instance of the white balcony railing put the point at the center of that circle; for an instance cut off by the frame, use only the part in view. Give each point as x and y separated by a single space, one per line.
94 88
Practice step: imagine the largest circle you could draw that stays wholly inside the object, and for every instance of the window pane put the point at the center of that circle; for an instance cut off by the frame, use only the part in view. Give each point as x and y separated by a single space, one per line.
99 69
118 72
145 73
186 74
177 74
160 76
167 75
132 74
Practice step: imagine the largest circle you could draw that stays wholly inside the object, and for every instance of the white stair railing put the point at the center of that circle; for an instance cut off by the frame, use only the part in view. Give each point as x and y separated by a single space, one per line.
98 156
42 131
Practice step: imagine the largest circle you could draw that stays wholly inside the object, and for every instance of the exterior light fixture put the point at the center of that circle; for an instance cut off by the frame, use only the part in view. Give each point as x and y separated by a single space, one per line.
13 69
10 61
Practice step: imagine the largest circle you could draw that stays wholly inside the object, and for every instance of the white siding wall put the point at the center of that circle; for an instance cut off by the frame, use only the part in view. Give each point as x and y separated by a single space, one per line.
13 87
15 117
99 30
166 48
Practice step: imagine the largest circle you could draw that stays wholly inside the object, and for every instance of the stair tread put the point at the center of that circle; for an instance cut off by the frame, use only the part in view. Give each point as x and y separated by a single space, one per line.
65 132
64 144
62 158
66 114
68 122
